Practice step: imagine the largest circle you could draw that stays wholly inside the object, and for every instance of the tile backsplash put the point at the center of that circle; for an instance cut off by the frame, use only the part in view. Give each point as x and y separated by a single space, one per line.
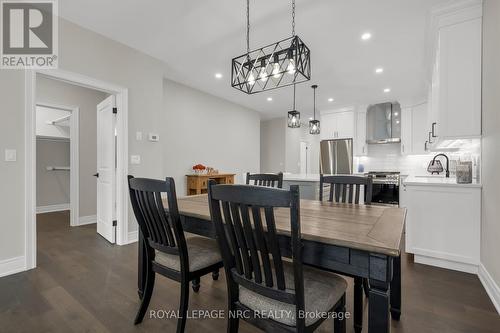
387 157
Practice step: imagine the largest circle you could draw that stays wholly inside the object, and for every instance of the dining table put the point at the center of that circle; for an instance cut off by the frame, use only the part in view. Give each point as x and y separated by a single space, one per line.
359 241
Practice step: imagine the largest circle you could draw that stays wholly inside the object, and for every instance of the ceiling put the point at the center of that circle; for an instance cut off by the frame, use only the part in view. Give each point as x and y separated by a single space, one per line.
197 39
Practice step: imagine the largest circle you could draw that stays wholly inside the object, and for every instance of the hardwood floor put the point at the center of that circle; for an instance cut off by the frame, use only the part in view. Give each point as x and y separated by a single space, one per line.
84 284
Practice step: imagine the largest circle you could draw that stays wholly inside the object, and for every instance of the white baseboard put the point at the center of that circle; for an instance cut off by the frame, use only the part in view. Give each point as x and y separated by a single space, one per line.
133 236
52 208
12 266
90 219
490 285
444 263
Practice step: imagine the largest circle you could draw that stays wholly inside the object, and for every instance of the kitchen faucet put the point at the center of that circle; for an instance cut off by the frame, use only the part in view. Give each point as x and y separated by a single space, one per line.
447 163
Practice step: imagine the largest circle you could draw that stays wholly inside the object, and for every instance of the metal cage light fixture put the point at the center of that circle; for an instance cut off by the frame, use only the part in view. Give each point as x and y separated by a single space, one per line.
314 125
294 115
272 66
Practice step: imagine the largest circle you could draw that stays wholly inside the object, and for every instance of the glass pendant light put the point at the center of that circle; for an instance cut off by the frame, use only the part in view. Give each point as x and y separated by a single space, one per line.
294 115
314 126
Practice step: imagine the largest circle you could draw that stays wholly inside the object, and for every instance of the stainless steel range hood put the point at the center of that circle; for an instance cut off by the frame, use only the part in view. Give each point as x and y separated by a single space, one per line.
383 123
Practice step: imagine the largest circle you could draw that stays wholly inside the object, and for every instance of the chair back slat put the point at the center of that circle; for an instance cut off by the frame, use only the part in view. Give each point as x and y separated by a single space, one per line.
246 231
265 179
346 189
162 230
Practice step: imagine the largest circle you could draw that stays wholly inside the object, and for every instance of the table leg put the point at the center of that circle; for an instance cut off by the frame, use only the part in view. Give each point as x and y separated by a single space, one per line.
141 267
378 312
396 288
380 275
358 304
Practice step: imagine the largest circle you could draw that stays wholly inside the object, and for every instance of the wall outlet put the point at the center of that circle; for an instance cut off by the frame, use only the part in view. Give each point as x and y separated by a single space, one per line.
138 136
154 137
10 155
135 159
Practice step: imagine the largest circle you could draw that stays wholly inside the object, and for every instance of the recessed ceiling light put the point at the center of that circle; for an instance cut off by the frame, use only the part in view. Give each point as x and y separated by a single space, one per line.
366 36
269 99
330 99
379 70
311 118
396 114
387 90
218 75
397 122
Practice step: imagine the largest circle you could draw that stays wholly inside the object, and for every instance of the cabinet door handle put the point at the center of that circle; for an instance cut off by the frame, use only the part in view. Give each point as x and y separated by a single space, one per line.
403 147
430 134
434 129
363 149
425 145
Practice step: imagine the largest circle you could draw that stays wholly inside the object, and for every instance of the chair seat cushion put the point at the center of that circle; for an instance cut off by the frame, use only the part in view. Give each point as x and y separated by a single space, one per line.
322 290
202 252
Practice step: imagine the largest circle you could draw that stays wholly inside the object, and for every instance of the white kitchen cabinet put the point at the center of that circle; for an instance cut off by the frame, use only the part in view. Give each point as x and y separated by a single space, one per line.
455 105
443 225
337 124
360 145
414 129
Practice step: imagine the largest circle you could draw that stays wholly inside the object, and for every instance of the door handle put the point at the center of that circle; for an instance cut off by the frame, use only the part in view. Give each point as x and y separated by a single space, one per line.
434 129
96 175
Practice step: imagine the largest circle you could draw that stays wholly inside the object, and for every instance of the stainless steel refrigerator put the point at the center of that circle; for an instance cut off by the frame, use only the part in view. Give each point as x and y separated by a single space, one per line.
336 157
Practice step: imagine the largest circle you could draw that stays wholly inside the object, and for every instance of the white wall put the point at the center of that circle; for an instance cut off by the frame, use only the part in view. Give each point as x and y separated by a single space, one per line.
90 54
61 93
490 239
201 128
272 145
52 187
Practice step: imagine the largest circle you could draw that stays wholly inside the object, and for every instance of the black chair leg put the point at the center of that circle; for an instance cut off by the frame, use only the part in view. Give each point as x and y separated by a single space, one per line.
196 285
183 307
339 322
233 323
366 287
146 297
215 275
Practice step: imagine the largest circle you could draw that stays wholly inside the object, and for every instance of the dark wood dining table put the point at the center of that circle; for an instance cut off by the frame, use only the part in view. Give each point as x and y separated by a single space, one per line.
361 241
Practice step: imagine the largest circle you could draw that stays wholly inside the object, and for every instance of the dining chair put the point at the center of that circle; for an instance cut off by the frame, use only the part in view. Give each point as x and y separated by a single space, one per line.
266 179
259 281
168 251
346 189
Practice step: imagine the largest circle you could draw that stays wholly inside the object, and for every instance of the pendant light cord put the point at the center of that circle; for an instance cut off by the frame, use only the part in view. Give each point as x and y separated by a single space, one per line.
294 97
293 18
248 26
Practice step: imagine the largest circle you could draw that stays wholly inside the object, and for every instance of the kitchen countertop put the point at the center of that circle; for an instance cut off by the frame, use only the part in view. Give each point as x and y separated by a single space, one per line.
310 177
436 181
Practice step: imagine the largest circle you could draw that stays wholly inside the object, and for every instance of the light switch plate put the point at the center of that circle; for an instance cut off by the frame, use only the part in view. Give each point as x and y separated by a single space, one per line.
10 155
135 159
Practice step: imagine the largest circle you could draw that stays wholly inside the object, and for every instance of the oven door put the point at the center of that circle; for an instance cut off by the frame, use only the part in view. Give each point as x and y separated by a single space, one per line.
385 193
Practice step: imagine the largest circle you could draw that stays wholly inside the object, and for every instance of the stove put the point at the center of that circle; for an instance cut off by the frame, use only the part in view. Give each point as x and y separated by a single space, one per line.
385 187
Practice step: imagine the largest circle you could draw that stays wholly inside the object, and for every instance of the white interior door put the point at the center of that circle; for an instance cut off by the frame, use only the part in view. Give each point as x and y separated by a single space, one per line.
106 169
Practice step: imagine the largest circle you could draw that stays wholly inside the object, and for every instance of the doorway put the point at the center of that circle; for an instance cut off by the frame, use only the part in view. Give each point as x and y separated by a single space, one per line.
117 214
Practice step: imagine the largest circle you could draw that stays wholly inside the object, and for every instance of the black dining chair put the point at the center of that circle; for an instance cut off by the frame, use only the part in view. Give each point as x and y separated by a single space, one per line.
266 179
168 251
346 189
259 281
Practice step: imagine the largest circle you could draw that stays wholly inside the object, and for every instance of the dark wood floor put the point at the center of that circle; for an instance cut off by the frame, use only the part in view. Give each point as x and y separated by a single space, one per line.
84 284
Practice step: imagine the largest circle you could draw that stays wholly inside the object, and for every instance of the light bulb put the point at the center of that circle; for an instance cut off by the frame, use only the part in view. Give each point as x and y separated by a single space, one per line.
263 74
276 70
294 120
315 127
251 79
291 67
